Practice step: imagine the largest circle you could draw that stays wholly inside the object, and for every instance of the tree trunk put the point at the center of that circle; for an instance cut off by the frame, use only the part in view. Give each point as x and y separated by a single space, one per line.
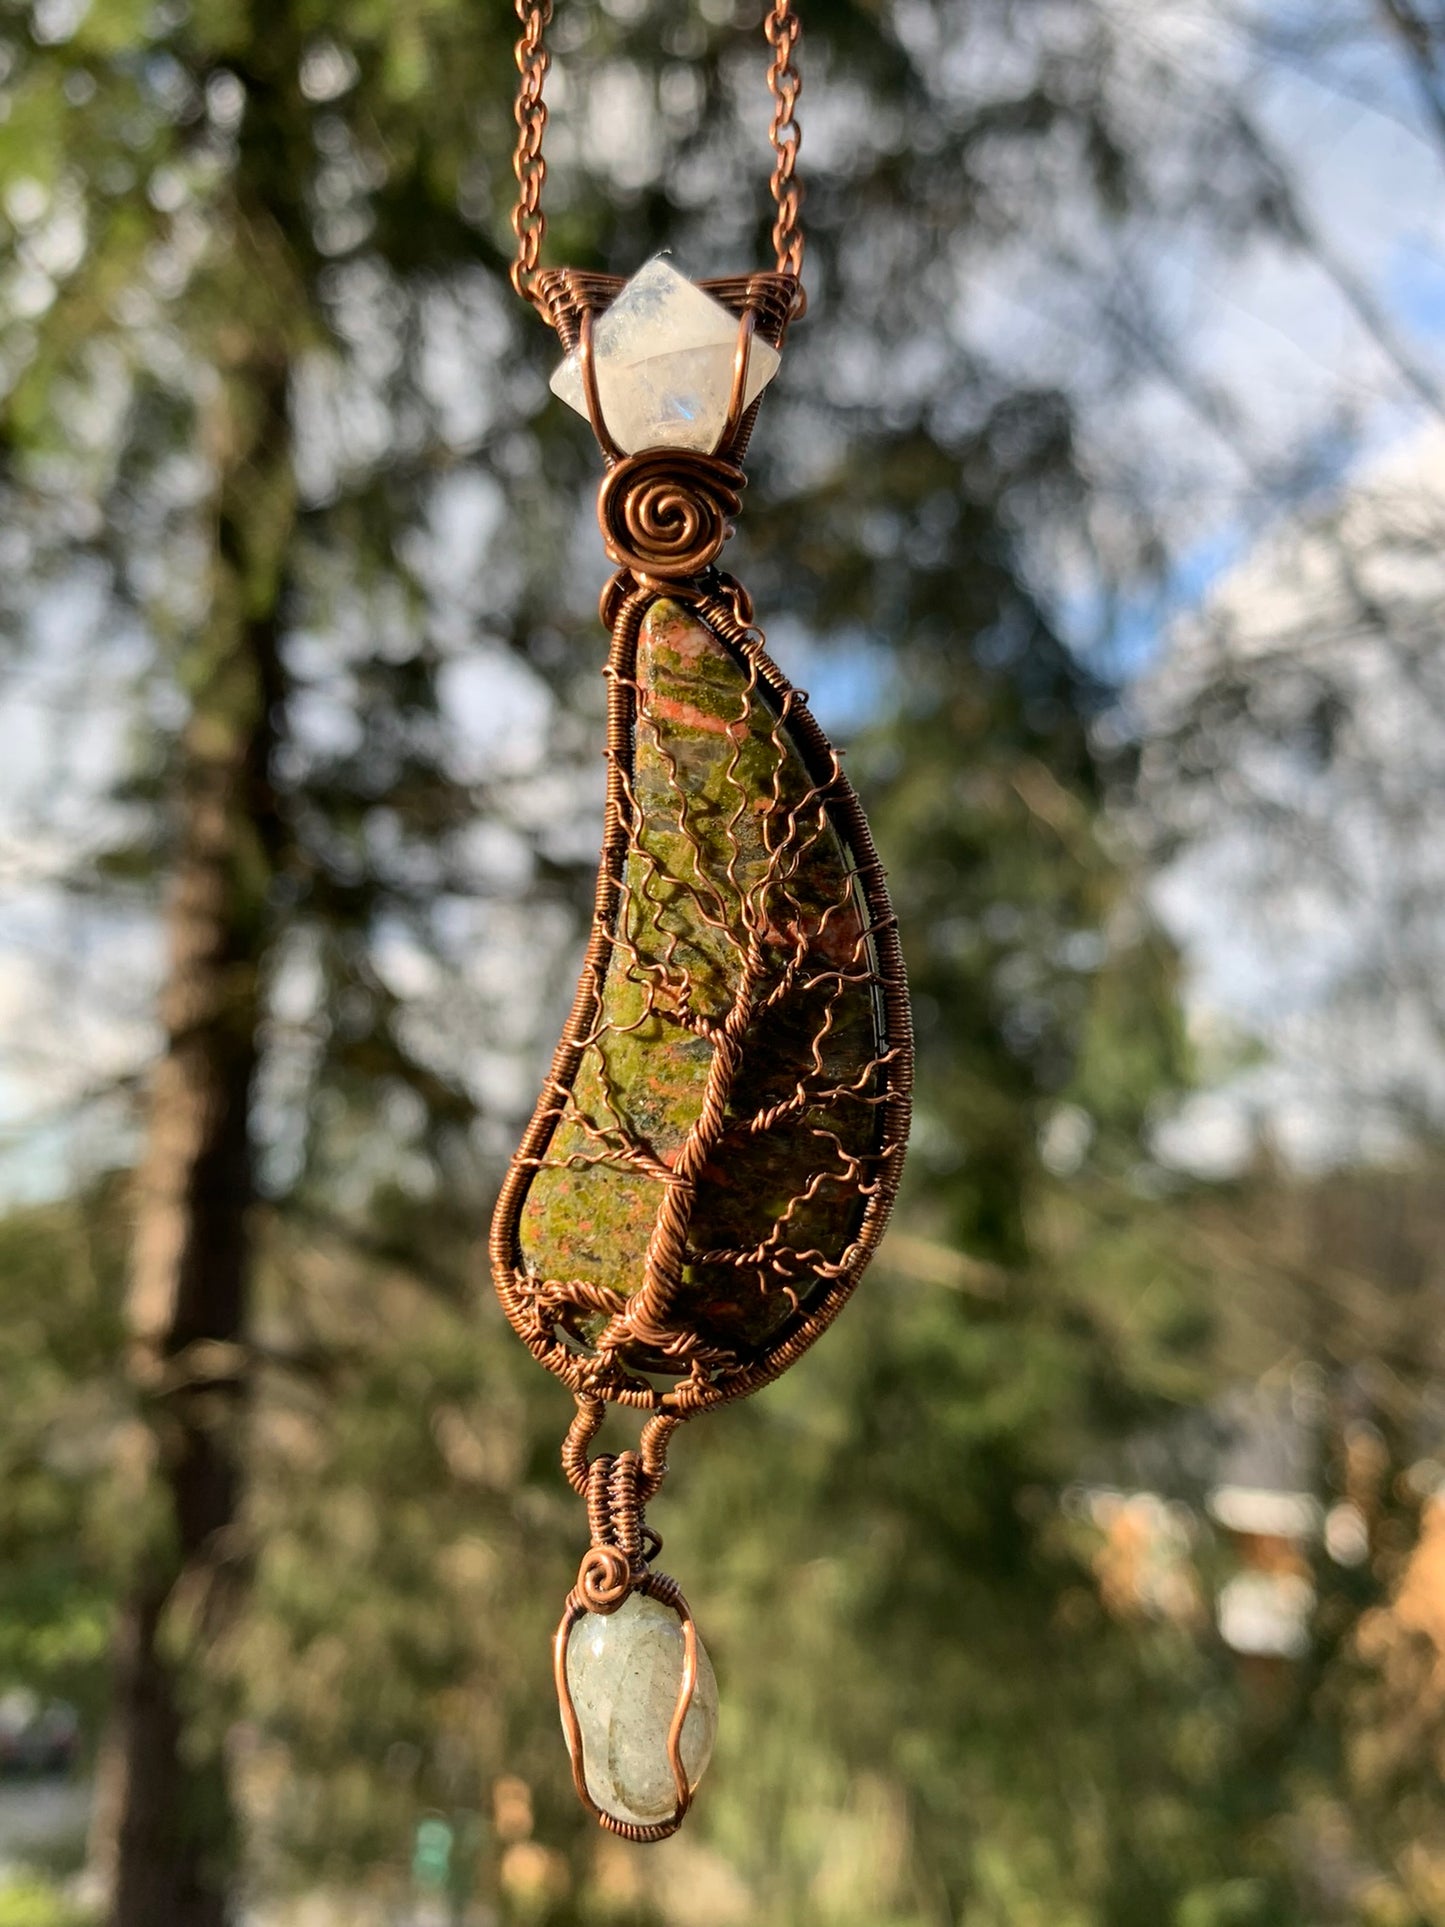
172 1848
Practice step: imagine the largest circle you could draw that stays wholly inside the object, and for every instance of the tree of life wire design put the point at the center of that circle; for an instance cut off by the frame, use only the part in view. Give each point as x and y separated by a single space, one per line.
717 939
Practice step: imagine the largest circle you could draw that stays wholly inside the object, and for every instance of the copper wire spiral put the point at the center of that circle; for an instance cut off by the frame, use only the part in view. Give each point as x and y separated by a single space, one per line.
666 512
604 1578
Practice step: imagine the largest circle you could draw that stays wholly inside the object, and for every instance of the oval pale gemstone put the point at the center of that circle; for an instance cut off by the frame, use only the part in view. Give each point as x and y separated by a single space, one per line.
624 1672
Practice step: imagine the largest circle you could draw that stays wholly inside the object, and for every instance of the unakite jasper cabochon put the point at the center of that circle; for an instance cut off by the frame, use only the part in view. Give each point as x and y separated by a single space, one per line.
731 836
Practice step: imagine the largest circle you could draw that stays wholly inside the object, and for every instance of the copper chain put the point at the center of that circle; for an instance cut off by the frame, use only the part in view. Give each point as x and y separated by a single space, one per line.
529 223
785 83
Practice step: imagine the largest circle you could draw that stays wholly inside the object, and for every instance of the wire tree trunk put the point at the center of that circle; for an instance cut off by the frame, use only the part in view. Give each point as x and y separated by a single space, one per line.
169 1817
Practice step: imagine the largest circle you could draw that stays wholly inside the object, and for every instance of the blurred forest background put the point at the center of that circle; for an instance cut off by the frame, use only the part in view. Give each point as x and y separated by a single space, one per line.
1092 1573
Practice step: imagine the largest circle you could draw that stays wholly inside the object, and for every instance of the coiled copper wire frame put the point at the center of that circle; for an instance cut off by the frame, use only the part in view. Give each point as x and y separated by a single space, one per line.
656 1585
616 1564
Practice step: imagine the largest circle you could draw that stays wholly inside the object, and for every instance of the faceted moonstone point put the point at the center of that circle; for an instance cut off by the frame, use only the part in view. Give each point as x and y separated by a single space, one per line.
663 353
624 1672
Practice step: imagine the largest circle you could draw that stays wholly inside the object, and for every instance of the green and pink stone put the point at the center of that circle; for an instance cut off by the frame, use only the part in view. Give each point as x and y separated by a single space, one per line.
715 775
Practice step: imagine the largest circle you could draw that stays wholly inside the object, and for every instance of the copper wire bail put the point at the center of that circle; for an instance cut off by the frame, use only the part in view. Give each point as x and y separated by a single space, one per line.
615 1565
587 368
747 326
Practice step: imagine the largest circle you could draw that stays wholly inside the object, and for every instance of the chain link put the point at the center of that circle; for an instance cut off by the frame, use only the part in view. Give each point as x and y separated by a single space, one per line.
529 223
785 83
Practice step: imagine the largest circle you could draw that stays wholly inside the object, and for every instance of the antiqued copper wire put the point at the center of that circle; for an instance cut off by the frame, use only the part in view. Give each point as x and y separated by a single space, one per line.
529 223
737 392
666 512
656 1433
587 368
761 302
565 295
580 1433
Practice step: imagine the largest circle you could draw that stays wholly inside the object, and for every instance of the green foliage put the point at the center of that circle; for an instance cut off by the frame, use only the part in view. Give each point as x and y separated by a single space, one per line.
61 1544
31 1902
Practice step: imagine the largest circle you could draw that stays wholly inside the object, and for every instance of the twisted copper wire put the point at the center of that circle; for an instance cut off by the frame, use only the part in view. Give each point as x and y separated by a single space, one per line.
638 1317
615 1566
642 1318
616 1486
656 1434
584 1428
567 295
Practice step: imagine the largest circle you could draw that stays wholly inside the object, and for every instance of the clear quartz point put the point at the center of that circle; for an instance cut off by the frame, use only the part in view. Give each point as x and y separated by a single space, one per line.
664 359
624 1672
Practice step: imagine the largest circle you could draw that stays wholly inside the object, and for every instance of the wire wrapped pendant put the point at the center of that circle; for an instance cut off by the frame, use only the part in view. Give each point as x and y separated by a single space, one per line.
715 1153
